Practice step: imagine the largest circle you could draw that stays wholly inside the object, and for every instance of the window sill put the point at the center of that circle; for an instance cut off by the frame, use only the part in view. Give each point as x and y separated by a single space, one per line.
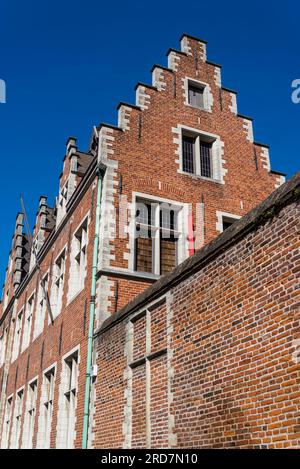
202 178
199 108
126 273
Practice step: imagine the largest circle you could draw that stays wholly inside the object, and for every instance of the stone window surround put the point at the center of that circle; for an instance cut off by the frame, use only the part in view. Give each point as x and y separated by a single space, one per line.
71 296
40 432
14 417
31 299
60 436
53 280
41 298
16 348
182 216
221 215
5 430
216 154
24 442
207 97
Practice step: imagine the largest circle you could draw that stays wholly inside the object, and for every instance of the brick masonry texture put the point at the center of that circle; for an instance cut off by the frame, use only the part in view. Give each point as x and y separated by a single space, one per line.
231 379
139 157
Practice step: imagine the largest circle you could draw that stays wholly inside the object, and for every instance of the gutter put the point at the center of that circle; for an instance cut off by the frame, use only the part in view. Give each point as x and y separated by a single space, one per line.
89 373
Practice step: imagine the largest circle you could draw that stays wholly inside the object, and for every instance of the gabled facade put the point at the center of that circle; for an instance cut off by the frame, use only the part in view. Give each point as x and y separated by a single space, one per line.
179 168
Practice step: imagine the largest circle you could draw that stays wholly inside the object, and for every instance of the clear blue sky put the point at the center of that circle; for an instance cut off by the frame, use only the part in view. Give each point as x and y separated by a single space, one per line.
67 64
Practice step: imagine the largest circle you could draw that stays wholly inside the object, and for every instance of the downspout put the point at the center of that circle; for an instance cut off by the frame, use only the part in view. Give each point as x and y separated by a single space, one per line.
89 374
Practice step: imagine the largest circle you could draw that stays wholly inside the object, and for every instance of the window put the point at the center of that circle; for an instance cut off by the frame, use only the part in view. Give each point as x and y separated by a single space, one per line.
18 333
17 419
6 300
196 95
78 260
62 202
3 341
6 423
197 155
28 322
156 237
58 284
46 409
30 415
225 220
70 398
41 307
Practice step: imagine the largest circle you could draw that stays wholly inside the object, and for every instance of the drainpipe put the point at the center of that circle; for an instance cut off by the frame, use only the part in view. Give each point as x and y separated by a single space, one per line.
86 414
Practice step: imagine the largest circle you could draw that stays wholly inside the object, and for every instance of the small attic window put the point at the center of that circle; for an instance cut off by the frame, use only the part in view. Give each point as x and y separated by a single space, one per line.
196 94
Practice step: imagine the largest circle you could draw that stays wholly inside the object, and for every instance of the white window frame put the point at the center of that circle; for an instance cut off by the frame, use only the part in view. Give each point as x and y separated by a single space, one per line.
221 216
30 414
46 407
207 97
216 160
66 431
182 220
41 307
17 419
3 345
62 201
58 283
78 259
8 415
17 334
29 310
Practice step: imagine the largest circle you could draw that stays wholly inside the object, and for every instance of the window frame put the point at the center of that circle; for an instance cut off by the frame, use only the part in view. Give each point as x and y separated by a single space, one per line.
182 247
221 216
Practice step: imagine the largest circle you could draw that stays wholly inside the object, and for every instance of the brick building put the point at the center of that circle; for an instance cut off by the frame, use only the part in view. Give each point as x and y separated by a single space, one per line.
180 167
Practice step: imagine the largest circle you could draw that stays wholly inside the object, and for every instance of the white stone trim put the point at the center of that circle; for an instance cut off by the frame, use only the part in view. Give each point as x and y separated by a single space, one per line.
183 211
218 162
248 128
280 179
76 280
62 418
208 99
173 61
233 107
124 114
42 442
142 99
218 77
185 45
158 79
265 158
221 215
25 428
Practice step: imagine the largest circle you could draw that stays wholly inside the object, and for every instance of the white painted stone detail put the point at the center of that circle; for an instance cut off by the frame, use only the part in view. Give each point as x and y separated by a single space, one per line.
265 158
280 179
185 45
248 127
142 98
208 99
124 117
220 216
217 76
233 107
173 61
158 79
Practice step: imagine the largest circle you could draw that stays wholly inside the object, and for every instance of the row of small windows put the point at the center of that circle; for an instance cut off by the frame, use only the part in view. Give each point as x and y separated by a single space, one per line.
25 319
15 418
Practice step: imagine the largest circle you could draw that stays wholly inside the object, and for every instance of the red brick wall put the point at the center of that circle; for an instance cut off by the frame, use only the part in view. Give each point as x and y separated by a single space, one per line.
230 377
146 155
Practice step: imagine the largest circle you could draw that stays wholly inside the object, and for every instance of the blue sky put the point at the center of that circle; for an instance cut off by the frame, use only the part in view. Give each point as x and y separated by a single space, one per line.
67 64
